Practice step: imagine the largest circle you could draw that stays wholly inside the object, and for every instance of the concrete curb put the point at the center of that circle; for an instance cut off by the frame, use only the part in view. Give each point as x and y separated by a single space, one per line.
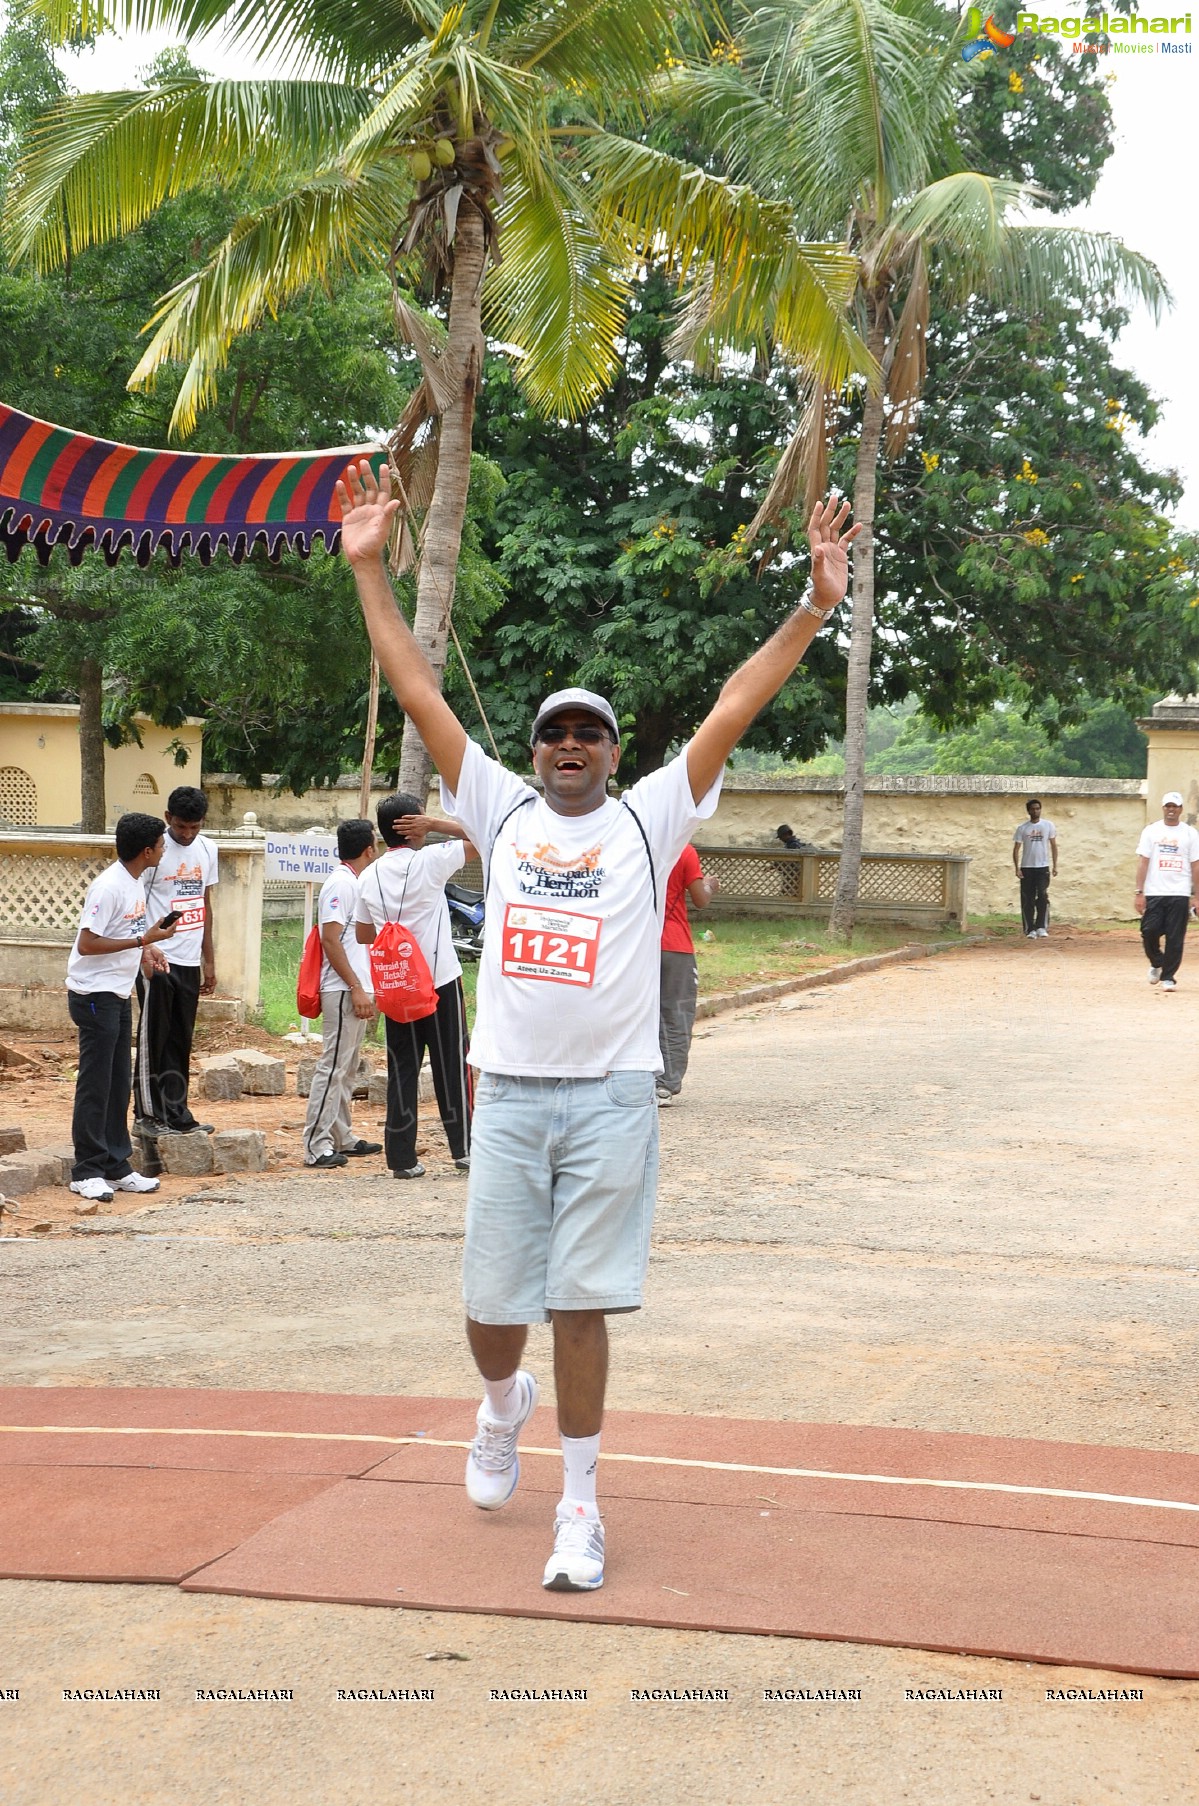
834 975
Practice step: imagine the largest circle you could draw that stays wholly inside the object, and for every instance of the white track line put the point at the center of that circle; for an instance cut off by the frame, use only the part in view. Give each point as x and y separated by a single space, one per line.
721 1467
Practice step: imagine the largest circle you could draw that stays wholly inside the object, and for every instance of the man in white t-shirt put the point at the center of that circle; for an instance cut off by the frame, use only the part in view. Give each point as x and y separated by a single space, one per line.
564 1168
1034 855
407 884
109 950
1167 888
347 1005
182 881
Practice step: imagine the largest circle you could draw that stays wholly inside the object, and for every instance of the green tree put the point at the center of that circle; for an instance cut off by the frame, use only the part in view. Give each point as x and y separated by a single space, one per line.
847 110
607 540
424 141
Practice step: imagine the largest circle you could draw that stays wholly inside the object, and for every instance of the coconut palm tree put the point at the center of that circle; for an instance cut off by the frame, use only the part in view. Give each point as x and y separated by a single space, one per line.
844 111
487 153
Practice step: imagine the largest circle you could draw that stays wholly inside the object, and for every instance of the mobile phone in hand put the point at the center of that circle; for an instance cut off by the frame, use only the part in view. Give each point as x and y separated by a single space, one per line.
169 920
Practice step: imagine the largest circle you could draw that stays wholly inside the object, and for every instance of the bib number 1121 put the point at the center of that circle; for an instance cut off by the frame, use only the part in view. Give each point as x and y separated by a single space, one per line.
551 944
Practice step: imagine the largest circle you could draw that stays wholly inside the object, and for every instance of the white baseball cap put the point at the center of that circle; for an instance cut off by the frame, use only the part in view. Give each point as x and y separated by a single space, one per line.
1172 796
576 699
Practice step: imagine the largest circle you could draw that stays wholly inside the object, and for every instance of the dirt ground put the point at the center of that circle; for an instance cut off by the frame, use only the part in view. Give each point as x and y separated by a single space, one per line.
952 1194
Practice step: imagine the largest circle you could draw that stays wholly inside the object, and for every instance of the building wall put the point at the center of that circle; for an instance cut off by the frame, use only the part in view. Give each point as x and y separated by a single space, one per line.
39 766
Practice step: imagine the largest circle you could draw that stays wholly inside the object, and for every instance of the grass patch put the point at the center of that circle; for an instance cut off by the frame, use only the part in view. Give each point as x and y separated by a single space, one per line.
744 950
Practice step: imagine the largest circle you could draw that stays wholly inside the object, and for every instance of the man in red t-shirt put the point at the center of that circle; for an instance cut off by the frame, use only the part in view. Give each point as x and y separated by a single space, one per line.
680 974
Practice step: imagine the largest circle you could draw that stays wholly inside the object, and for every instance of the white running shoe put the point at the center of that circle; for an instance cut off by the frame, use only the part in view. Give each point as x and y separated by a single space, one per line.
1155 973
1168 984
99 1190
577 1564
493 1466
135 1182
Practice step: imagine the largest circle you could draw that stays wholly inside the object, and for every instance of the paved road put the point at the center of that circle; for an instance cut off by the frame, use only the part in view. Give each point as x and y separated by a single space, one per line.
952 1195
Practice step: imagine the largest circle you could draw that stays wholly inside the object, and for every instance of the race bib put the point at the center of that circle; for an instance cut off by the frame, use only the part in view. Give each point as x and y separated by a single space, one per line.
554 944
191 909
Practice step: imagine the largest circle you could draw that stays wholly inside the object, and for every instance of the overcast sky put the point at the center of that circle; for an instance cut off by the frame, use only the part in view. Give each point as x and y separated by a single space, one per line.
1145 196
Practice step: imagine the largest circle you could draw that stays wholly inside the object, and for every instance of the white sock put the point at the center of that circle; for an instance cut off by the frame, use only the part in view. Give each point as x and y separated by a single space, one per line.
580 1458
503 1399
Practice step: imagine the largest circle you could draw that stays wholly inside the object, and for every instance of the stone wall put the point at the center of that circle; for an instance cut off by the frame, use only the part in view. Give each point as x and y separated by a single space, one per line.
1098 822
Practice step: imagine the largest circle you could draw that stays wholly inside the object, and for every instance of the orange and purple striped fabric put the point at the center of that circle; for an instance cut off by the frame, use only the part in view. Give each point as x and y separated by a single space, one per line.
67 489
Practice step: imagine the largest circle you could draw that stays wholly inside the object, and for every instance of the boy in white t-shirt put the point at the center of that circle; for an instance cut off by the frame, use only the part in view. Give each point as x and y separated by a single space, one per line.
183 881
1167 888
564 1164
347 1005
108 952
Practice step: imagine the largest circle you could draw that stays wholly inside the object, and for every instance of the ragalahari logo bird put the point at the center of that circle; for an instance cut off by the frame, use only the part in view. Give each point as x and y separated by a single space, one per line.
985 36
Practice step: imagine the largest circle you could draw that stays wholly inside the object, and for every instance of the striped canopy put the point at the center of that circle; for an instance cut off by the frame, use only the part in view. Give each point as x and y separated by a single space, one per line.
67 489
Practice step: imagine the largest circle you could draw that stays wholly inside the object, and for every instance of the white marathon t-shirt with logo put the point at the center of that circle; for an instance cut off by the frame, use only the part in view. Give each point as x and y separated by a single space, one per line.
1169 852
408 885
179 881
114 907
338 902
1034 837
569 978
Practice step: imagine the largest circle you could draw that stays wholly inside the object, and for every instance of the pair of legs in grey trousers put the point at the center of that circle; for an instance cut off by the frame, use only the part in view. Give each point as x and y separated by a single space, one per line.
327 1125
678 996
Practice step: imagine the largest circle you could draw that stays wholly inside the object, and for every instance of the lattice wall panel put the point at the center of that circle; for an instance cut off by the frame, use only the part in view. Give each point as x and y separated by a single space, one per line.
750 878
40 899
889 881
18 798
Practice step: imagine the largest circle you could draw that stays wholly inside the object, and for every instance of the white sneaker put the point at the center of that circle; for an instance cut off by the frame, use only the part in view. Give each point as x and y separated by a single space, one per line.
493 1467
1155 973
1168 984
577 1564
1042 934
97 1189
135 1182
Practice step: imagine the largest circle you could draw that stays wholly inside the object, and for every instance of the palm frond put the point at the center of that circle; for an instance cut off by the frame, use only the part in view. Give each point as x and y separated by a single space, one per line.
596 45
907 361
557 297
265 261
99 164
801 472
963 218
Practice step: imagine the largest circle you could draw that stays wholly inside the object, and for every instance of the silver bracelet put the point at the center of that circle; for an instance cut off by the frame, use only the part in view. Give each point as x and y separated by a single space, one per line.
810 608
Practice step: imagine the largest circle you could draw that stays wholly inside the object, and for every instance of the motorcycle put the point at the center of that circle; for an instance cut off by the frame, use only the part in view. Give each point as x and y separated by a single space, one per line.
466 920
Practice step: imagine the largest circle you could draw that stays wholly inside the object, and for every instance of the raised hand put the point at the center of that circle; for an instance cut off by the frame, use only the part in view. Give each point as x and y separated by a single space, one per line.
829 540
367 510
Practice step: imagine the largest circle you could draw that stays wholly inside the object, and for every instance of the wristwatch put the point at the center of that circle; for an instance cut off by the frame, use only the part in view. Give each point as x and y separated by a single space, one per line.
809 607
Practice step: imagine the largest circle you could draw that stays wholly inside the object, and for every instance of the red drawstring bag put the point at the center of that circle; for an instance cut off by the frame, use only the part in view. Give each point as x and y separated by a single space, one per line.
308 984
403 983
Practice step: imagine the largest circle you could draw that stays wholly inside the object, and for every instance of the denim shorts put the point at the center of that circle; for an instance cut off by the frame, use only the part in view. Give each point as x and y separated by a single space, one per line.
563 1177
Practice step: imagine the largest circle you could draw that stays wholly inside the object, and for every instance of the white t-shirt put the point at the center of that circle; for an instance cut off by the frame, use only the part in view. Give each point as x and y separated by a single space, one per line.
409 887
179 881
1169 852
115 907
338 902
568 981
1034 837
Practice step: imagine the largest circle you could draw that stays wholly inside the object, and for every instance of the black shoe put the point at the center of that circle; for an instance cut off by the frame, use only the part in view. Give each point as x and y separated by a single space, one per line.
462 1162
192 1128
151 1128
327 1160
363 1147
408 1172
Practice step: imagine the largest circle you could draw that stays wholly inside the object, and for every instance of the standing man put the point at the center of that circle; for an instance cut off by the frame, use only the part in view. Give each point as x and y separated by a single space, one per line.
679 979
1167 887
109 949
1034 852
565 1161
347 1005
408 885
183 882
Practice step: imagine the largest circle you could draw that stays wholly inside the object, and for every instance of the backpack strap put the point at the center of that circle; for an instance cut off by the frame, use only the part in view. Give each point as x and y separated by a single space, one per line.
524 801
653 877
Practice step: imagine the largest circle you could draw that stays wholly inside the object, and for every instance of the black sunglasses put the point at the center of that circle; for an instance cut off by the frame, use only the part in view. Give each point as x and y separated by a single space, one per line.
555 733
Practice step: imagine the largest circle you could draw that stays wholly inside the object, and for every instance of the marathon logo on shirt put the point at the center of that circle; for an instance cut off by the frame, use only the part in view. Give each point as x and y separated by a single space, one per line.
544 872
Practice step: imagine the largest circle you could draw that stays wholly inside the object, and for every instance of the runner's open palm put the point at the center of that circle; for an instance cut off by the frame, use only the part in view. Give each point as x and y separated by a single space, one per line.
829 543
367 511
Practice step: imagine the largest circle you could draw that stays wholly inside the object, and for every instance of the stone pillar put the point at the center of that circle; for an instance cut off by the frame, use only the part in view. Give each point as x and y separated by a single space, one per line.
237 919
1172 731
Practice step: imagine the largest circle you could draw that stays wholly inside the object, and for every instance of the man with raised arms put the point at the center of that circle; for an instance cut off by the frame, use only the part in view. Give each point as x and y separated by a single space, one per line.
565 1152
